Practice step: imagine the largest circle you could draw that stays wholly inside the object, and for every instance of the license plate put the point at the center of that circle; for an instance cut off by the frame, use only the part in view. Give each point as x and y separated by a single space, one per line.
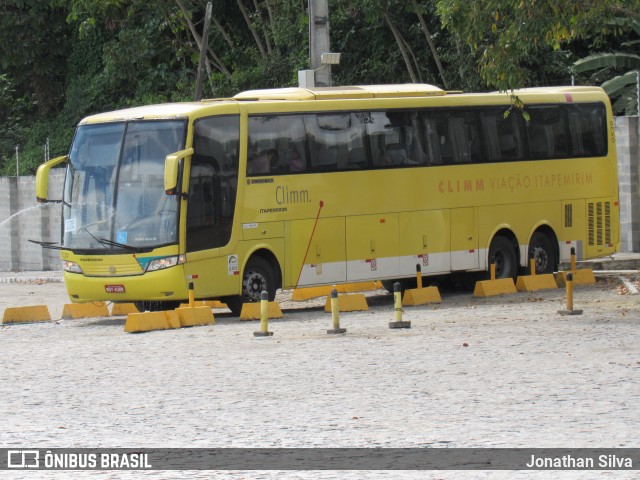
114 288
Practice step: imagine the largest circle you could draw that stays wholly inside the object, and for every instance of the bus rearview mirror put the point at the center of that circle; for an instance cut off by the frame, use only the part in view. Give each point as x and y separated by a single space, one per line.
171 170
42 177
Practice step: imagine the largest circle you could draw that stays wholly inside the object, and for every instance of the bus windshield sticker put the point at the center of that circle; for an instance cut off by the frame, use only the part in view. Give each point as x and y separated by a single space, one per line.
122 237
232 262
70 225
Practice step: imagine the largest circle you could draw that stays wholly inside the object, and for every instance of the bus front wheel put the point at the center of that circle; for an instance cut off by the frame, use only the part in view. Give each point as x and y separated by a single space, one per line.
258 276
503 253
156 305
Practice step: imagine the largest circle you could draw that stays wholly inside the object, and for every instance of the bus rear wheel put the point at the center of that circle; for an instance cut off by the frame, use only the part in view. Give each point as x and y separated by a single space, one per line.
405 284
503 253
258 276
541 249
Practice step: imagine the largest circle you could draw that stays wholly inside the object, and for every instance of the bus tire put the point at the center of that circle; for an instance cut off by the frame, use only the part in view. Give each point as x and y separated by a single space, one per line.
258 276
503 252
405 284
541 248
156 305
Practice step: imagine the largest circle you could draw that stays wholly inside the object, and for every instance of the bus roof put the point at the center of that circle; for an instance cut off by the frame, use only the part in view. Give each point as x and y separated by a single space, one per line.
160 111
330 93
409 90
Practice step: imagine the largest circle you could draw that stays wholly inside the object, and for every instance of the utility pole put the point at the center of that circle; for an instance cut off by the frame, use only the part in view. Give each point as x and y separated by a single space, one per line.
319 41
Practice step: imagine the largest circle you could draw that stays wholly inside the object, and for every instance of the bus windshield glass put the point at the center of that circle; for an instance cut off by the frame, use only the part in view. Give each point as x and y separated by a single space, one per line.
114 195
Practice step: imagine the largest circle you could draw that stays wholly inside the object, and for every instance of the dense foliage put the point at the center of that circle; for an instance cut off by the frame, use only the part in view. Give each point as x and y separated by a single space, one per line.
61 60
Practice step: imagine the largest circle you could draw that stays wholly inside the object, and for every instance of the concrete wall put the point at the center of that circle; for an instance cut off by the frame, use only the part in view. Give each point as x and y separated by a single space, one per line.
628 146
23 219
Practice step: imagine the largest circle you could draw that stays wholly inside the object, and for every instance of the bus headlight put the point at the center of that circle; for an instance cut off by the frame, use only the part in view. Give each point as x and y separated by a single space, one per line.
72 267
166 262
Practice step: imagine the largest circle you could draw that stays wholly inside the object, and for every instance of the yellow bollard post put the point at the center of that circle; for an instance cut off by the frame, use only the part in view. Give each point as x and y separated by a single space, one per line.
570 310
264 316
191 295
532 266
335 313
573 260
419 275
492 269
397 294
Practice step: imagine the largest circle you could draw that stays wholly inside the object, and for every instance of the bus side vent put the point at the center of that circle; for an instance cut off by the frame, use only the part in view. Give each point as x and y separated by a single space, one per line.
607 223
591 221
599 223
599 219
568 215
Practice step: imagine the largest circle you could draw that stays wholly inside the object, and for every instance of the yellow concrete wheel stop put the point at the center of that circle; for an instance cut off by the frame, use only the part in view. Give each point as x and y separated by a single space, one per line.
421 296
490 288
358 287
149 321
193 316
84 310
121 309
36 313
252 311
583 276
206 303
531 283
306 293
352 302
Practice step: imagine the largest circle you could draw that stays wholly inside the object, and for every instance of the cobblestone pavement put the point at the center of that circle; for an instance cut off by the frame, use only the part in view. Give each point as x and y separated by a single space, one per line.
497 372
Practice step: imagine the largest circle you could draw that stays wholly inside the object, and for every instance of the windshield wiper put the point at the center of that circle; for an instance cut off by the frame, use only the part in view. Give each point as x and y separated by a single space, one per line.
111 243
85 228
51 245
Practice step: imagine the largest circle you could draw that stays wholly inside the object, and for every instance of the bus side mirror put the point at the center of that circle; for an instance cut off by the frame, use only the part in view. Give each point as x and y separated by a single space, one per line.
42 177
171 170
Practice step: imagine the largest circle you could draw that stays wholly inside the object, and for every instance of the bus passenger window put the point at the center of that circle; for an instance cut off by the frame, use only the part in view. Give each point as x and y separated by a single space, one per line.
588 128
277 145
546 132
503 138
334 140
393 140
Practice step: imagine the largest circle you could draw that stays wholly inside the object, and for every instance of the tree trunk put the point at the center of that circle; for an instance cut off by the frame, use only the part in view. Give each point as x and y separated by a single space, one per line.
263 27
429 38
224 33
256 37
401 46
217 61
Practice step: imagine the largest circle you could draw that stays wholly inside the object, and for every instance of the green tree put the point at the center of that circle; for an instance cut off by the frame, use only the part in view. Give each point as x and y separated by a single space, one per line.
34 40
618 72
507 35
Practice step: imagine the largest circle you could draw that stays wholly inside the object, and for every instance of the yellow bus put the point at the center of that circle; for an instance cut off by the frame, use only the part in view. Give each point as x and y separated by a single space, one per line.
295 187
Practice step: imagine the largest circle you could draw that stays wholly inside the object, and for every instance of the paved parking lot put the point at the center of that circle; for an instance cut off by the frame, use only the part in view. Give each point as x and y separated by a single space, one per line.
497 372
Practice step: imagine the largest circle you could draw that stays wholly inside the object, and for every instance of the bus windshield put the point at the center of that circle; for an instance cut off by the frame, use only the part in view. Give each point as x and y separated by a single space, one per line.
114 195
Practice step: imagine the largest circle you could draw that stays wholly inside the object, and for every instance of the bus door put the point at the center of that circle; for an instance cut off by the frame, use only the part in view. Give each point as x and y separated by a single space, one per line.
372 247
317 251
464 242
